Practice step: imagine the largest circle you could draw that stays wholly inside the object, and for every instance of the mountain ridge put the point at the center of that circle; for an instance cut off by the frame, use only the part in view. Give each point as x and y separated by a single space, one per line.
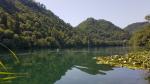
131 28
100 24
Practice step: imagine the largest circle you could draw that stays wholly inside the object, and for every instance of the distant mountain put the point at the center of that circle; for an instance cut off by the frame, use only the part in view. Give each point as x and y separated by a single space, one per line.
102 31
135 27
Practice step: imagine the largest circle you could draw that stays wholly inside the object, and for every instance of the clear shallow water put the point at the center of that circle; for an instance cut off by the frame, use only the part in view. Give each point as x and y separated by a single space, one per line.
73 66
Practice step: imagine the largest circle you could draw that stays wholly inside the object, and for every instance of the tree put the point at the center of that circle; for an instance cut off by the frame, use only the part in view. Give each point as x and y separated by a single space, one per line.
147 17
141 37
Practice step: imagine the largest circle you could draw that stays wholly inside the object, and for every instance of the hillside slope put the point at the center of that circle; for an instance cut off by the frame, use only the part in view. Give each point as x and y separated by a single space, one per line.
141 37
102 32
135 27
30 24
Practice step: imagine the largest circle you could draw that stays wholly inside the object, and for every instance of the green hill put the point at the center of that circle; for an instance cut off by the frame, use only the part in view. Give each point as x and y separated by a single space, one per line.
28 24
135 26
102 32
141 37
25 23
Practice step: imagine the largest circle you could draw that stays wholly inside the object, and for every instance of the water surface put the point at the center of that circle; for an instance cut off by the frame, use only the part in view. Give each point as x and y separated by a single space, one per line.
73 66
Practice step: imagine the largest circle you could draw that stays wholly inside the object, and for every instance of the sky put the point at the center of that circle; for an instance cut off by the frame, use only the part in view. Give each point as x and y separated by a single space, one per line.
119 12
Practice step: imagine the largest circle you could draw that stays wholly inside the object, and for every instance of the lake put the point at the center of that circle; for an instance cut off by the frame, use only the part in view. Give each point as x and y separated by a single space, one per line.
72 66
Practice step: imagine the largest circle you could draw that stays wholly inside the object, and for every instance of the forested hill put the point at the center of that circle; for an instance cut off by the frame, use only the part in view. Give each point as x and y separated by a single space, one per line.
135 27
28 24
25 23
102 31
141 37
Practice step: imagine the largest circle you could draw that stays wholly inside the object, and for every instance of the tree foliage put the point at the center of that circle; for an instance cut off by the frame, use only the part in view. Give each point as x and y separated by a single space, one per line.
147 17
101 32
141 37
26 24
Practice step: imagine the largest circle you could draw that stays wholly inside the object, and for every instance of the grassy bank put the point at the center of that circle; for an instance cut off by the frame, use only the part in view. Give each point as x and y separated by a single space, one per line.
134 60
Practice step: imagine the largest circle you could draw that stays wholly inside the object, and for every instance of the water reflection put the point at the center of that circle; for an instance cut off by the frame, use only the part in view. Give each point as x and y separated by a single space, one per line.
48 67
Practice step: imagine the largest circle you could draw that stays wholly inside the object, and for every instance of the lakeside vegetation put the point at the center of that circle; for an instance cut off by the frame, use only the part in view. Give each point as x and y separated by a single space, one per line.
26 24
134 60
141 37
5 75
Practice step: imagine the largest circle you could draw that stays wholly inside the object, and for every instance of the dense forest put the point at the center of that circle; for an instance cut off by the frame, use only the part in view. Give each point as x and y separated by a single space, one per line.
141 37
25 23
139 33
102 32
28 24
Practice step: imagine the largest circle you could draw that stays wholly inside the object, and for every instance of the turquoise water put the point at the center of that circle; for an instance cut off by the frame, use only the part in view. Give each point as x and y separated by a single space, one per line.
72 66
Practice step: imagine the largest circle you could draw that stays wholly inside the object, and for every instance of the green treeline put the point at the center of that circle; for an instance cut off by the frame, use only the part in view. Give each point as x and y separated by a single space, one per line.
141 37
102 32
139 33
26 24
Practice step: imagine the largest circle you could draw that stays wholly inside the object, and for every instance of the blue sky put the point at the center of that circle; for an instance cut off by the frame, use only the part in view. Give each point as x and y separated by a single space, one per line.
119 12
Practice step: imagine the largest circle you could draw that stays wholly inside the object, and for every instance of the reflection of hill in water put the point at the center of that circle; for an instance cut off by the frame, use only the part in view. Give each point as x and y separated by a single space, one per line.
48 67
85 63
